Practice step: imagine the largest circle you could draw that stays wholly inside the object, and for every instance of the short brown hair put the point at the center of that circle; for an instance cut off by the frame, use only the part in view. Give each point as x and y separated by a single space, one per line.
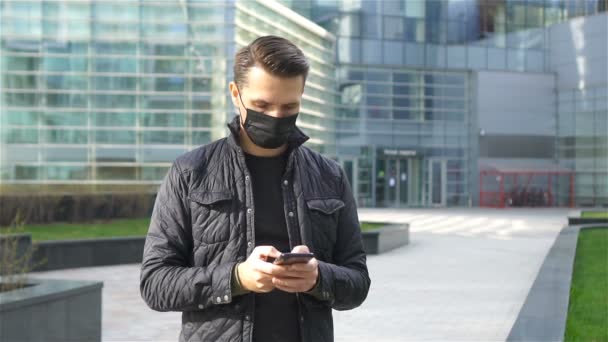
275 55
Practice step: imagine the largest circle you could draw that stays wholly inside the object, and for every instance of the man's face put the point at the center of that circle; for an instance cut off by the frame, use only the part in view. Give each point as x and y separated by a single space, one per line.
268 94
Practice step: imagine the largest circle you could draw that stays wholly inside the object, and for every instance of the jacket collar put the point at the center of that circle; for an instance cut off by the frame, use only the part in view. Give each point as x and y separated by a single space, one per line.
295 139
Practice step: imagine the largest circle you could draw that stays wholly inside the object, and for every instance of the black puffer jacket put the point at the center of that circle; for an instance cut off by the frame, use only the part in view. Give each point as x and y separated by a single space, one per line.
202 225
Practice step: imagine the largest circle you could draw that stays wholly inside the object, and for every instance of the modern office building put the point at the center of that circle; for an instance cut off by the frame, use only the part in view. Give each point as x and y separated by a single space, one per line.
425 103
103 95
472 102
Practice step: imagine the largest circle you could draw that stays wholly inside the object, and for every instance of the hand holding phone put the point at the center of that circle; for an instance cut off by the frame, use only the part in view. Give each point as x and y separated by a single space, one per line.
292 258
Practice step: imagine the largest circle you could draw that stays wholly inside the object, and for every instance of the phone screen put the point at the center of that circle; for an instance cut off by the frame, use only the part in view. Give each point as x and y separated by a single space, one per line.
293 258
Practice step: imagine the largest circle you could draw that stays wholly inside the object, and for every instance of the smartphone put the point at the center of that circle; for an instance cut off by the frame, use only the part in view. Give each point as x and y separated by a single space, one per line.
293 258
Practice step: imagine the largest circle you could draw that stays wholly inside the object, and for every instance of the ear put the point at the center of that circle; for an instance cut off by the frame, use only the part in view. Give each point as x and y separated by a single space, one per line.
234 94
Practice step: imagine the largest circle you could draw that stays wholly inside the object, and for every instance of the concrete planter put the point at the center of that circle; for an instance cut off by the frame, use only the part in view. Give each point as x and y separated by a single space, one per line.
572 221
386 238
544 313
51 310
61 254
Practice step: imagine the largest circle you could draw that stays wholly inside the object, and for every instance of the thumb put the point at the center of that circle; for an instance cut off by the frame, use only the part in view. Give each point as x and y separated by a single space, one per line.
300 249
264 252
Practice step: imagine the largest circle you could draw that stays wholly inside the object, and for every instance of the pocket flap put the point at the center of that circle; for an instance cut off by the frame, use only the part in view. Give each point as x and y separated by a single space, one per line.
210 197
327 206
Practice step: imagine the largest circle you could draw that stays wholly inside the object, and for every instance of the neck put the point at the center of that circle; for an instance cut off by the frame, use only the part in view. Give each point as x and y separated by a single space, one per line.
251 148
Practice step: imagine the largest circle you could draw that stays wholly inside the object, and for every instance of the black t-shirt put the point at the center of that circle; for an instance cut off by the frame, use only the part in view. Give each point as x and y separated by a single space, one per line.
276 312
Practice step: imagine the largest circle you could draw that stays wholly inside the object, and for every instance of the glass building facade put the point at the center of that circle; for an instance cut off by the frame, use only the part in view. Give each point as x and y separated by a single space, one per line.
103 95
407 129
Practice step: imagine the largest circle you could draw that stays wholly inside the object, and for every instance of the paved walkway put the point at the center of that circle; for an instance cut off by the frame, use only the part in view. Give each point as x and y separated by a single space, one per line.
464 277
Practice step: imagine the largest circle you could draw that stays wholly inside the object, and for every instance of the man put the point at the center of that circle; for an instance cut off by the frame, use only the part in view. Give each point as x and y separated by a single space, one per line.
225 209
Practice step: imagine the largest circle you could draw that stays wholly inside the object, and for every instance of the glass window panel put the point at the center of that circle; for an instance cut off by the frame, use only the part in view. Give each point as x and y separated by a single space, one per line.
372 51
22 118
170 102
516 59
163 119
456 56
22 136
20 63
435 55
394 27
66 100
377 113
64 119
477 57
378 101
66 82
114 101
67 172
378 76
152 154
114 48
65 154
114 83
125 65
26 172
20 99
414 30
201 138
371 26
414 54
201 120
14 81
65 63
113 119
393 53
65 136
534 60
383 89
116 172
163 137
497 58
154 173
415 8
115 137
201 84
113 154
169 83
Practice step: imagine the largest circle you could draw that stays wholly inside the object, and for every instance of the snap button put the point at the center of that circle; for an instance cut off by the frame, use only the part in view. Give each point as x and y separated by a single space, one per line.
201 306
226 297
246 178
286 182
247 317
249 211
249 244
290 214
218 299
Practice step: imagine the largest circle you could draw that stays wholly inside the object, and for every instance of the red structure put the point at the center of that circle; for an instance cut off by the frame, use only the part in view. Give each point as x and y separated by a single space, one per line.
526 188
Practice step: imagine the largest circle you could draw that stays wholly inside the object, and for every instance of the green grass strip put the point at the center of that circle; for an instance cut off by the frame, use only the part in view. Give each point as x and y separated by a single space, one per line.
588 307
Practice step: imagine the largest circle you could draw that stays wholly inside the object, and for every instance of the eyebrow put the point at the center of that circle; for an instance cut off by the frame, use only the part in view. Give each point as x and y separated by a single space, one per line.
260 101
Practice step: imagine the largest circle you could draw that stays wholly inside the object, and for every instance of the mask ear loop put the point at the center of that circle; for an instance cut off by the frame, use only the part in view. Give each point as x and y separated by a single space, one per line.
242 103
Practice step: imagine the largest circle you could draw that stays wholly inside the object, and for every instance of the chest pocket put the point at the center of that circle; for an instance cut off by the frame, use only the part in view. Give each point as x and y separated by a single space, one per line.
211 213
324 215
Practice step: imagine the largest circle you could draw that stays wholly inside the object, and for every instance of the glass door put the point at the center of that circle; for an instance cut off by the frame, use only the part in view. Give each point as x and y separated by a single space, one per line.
438 178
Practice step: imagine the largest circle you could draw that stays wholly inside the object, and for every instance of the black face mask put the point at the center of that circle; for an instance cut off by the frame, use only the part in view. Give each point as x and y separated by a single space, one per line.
267 131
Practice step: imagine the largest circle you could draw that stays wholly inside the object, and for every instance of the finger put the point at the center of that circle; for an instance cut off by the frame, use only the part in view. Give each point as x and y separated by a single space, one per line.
286 288
291 285
264 252
300 249
267 268
309 266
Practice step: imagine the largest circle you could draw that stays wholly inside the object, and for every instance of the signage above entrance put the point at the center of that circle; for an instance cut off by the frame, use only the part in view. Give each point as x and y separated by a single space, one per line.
396 152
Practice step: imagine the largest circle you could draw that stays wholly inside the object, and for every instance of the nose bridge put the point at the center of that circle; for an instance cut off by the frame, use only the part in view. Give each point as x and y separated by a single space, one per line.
277 112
